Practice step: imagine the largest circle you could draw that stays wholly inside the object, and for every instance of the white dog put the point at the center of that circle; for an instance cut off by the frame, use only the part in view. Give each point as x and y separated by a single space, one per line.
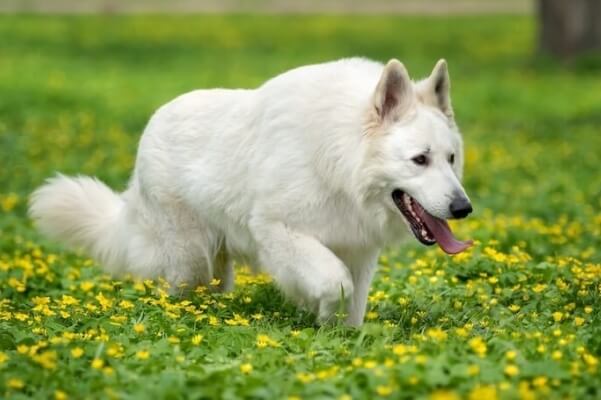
306 178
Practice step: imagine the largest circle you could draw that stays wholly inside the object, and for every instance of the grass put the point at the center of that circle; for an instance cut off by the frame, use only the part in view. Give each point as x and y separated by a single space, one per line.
517 317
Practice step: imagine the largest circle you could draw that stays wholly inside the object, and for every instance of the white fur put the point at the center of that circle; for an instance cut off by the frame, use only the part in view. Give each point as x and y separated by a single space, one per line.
294 177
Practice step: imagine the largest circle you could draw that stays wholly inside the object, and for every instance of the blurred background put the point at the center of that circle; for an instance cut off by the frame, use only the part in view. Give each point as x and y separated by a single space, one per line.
79 80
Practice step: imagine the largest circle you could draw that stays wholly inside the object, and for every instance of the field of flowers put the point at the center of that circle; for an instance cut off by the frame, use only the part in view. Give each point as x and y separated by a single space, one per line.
516 317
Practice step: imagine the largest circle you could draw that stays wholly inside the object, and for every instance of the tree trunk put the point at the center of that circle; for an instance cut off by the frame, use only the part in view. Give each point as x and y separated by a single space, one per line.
569 27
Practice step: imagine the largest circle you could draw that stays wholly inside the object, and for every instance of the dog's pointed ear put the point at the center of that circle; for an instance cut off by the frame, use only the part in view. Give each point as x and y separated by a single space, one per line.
394 92
435 91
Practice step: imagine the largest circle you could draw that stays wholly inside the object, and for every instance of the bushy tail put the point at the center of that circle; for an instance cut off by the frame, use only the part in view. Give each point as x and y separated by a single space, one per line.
83 212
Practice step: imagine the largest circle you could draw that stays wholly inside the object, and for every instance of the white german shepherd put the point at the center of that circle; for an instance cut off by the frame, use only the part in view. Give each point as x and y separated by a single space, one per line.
306 178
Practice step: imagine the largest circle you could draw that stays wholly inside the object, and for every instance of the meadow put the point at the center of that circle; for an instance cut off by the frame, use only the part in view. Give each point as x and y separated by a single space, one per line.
517 317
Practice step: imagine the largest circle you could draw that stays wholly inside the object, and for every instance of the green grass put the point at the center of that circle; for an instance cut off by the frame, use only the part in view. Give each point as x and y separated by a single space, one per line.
517 317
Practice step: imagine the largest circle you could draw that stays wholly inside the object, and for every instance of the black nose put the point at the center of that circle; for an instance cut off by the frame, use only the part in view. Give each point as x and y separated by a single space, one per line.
460 207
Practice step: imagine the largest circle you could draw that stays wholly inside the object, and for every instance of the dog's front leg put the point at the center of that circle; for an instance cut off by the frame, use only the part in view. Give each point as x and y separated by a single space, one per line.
362 266
304 269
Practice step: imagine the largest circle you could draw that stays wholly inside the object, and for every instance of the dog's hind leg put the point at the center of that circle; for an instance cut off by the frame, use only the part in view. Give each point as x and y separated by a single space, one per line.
185 260
307 271
174 244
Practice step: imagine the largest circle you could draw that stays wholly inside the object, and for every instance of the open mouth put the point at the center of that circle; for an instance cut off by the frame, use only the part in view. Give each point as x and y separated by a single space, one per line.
427 228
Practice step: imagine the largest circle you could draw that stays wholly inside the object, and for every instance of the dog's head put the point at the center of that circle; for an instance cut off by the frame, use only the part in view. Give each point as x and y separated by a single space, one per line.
419 154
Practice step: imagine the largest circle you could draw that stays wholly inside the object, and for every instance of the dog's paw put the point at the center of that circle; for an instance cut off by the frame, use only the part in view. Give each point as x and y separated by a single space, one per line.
334 300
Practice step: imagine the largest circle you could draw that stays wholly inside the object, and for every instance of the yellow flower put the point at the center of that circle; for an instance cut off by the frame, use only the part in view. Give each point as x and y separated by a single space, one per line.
579 321
115 350
246 368
238 320
540 381
473 370
139 328
399 349
47 359
97 363
486 392
384 390
21 316
588 309
556 355
60 395
371 315
118 319
557 316
265 341
444 395
126 305
510 355
357 362
590 360
525 392
86 286
437 334
15 383
196 339
9 201
421 359
539 287
77 352
461 332
370 364
139 287
478 346
305 377
514 308
511 370
69 300
105 302
143 354
17 284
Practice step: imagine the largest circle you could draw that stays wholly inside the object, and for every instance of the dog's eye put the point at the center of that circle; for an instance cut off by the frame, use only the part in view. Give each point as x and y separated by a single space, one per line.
452 158
420 160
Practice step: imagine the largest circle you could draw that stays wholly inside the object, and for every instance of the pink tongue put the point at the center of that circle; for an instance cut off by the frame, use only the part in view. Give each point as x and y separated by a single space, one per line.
443 235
